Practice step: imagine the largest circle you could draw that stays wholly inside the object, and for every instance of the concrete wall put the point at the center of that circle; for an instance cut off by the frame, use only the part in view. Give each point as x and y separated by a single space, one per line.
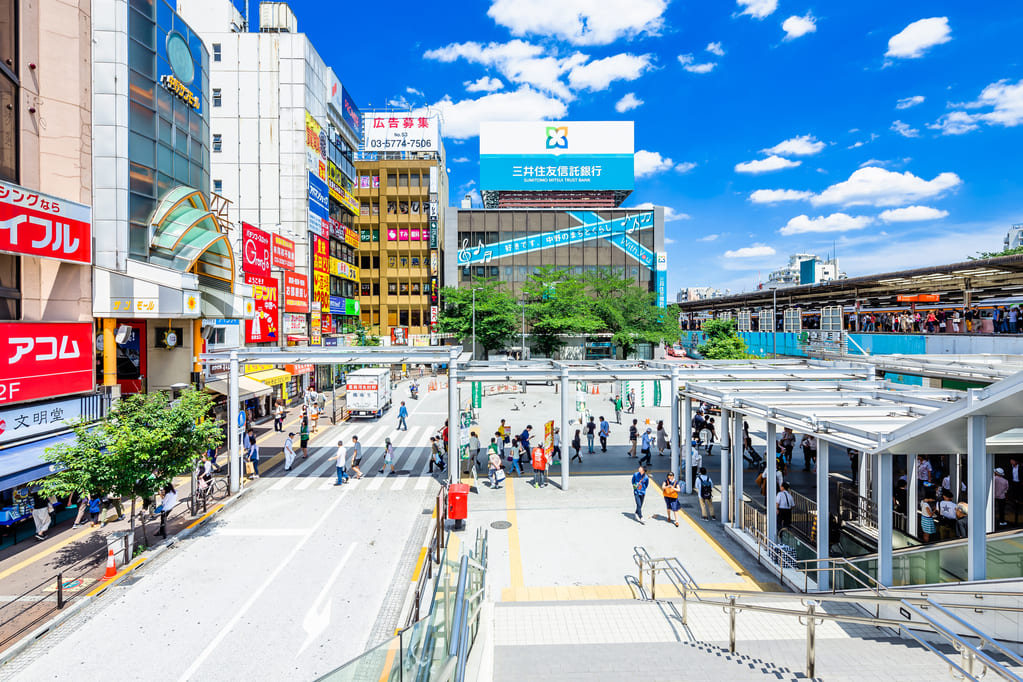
165 367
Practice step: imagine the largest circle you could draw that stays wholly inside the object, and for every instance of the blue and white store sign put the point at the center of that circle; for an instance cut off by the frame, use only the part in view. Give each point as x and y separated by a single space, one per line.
662 279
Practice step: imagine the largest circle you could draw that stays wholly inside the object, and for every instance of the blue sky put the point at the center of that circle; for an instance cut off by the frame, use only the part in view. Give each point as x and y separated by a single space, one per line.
890 131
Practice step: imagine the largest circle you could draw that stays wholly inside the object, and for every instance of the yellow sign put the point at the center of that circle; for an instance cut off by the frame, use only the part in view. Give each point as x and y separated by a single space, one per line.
251 369
312 134
339 268
180 90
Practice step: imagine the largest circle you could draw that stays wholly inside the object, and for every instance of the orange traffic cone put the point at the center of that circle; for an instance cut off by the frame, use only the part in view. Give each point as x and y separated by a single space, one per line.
111 566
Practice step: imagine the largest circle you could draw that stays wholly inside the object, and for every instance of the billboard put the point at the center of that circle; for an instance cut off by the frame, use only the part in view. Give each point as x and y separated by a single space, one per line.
315 147
557 155
283 252
262 328
662 279
321 273
401 133
37 224
179 63
319 211
296 293
46 359
350 113
255 251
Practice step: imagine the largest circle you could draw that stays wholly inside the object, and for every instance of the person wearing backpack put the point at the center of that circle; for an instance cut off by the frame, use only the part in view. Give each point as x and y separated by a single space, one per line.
705 486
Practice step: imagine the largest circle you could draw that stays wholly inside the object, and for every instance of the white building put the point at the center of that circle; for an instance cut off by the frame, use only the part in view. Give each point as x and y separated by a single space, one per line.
699 294
1014 239
792 274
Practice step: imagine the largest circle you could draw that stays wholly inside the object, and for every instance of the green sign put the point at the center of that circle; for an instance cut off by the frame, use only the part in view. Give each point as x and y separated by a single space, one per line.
477 394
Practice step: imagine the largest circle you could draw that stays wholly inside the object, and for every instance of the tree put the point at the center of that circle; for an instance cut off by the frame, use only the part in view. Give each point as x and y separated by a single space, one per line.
558 305
630 312
982 255
496 314
723 343
138 449
365 336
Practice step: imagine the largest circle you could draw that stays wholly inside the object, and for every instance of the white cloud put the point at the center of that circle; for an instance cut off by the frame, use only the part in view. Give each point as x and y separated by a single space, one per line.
460 159
771 163
803 145
580 22
400 102
758 9
773 196
854 145
1007 101
836 222
651 163
755 251
688 63
598 74
716 49
907 102
462 118
708 238
955 123
911 214
668 240
685 166
412 91
628 103
670 214
484 84
914 40
797 27
879 187
905 129
873 162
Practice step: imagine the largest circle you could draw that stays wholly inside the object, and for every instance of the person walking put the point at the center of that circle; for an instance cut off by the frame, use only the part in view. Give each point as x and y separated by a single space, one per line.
556 448
618 409
41 514
496 469
356 456
513 456
522 455
539 463
640 481
1000 490
633 437
253 457
696 465
784 502
341 458
809 445
525 436
402 416
303 437
704 486
632 401
646 443
605 433
577 446
504 433
498 440
474 449
388 457
436 458
670 491
662 439
314 415
170 498
289 451
279 416
591 429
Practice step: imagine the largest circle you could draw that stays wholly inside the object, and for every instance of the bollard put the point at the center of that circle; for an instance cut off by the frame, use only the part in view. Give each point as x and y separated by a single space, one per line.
731 624
60 590
653 583
811 639
685 604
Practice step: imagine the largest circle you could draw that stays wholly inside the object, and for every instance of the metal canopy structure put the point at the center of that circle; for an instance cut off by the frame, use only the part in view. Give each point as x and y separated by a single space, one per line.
982 368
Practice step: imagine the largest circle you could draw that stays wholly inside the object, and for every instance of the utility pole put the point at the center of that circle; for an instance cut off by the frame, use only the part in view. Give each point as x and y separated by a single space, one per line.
774 322
523 328
474 321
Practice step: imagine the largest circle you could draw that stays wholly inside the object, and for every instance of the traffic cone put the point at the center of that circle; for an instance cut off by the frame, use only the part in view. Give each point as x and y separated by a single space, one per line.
111 566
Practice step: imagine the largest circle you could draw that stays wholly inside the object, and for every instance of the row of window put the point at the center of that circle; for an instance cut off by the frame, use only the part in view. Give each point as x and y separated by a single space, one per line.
367 208
395 288
397 318
373 263
521 273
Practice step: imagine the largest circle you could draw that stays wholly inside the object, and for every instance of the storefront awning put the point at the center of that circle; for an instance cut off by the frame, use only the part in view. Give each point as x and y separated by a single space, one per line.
21 464
271 377
247 388
296 338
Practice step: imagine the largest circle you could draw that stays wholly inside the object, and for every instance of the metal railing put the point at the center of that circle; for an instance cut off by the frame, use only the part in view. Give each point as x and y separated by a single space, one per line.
736 601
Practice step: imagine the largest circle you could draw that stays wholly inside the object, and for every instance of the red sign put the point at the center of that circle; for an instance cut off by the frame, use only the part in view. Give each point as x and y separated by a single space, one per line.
255 251
918 298
283 252
296 293
361 387
45 359
399 336
263 327
321 273
37 224
299 369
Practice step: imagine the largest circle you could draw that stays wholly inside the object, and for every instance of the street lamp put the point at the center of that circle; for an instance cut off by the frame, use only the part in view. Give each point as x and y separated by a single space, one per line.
474 320
774 321
523 351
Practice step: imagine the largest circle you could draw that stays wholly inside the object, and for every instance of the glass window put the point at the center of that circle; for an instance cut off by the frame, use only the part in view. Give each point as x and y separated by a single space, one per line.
403 288
414 180
218 186
166 132
376 262
392 288
402 180
8 39
141 29
392 180
10 287
141 150
415 288
165 158
8 123
180 141
142 179
415 318
376 288
217 142
403 318
404 261
364 260
392 261
216 97
364 289
216 52
392 318
376 235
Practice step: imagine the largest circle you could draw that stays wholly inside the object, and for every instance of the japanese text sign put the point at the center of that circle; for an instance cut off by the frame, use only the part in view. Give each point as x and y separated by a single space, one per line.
44 359
283 253
263 328
296 293
255 251
37 224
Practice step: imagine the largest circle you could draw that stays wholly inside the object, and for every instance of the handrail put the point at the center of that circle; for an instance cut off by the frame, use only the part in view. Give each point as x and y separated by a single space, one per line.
688 589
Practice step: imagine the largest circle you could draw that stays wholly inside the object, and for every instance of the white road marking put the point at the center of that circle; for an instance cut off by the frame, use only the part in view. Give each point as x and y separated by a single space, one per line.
315 476
295 471
317 619
262 532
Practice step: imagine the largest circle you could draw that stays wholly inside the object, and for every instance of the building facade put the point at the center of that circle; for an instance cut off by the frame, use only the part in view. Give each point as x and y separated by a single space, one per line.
1014 238
804 268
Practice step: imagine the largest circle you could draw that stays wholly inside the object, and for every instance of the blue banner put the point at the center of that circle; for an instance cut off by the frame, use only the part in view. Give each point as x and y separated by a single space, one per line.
557 172
318 196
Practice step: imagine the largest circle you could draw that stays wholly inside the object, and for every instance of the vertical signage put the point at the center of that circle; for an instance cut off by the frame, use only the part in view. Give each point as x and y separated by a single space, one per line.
283 253
662 279
263 327
255 251
296 293
433 180
315 335
477 394
433 234
321 272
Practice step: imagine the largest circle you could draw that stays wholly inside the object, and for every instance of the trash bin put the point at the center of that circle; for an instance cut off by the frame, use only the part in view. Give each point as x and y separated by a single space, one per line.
117 541
458 503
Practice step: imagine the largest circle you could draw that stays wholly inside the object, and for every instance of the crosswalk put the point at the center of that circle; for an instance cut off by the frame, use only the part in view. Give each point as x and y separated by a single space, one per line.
411 458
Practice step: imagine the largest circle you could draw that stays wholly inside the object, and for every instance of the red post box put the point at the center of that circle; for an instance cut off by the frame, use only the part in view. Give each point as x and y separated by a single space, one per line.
458 501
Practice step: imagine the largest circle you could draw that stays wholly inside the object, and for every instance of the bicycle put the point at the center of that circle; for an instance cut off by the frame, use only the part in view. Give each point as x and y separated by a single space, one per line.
214 489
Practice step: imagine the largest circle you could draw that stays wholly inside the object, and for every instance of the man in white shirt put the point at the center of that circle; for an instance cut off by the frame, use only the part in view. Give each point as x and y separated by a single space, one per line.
784 502
170 498
342 456
289 451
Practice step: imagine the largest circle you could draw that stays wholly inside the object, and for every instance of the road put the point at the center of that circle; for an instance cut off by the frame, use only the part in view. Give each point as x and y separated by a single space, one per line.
297 578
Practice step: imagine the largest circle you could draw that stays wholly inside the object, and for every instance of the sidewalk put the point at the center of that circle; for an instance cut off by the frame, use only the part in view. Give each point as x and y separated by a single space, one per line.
29 569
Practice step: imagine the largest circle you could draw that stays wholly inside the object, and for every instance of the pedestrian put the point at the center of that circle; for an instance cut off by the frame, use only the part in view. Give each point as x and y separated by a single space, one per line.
618 409
1000 489
556 448
504 433
662 439
303 437
539 462
95 507
341 458
646 443
632 401
289 451
170 498
253 457
962 519
513 455
279 416
356 456
947 514
523 455
809 445
640 481
402 416
927 525
388 457
321 402
591 428
577 446
605 433
784 502
695 467
524 437
314 415
41 514
496 469
112 501
498 440
633 437
670 491
474 448
705 486
83 509
786 442
435 457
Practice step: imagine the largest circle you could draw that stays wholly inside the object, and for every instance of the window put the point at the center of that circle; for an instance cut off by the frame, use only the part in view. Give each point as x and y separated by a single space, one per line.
414 178
218 186
217 142
376 288
375 207
392 318
415 316
376 235
392 180
392 261
365 262
216 52
404 261
415 288
364 289
415 261
392 288
216 97
9 96
403 318
10 287
403 288
376 262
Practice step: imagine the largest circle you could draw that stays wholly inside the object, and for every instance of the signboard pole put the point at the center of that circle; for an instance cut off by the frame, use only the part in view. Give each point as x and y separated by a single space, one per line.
566 412
234 436
453 426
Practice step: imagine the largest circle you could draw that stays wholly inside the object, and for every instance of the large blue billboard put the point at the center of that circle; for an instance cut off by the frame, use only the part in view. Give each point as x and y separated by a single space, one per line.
563 172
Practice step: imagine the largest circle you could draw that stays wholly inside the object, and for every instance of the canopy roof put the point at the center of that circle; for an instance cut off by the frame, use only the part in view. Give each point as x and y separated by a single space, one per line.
188 237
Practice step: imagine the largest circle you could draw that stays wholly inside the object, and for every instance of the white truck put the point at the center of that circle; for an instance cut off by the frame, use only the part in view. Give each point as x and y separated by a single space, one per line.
368 392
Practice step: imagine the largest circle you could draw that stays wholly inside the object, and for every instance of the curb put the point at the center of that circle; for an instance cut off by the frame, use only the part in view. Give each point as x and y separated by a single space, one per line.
408 604
145 558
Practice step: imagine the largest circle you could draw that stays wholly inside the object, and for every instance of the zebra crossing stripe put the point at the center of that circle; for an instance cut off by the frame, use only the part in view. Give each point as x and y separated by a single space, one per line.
328 463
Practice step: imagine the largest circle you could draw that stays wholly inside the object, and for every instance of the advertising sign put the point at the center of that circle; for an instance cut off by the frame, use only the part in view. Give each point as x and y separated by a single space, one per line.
283 252
337 305
339 268
477 394
351 114
179 64
662 279
315 140
318 194
548 438
434 174
433 290
399 336
38 224
293 324
351 238
27 421
433 263
263 328
255 251
45 359
321 272
296 293
315 337
433 234
434 310
401 133
334 91
351 306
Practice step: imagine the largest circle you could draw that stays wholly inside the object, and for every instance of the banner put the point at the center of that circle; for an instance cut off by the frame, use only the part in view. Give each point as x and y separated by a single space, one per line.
548 438
399 336
315 336
263 328
401 133
296 293
37 224
45 359
283 252
255 251
477 394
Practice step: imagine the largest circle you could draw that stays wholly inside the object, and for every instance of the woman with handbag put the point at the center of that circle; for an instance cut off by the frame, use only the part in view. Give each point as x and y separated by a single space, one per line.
516 451
670 491
496 466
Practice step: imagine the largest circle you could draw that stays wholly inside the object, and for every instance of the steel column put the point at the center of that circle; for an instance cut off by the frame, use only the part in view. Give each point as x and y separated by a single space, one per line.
884 518
725 470
454 427
977 491
233 435
687 442
823 511
737 467
675 432
566 418
771 486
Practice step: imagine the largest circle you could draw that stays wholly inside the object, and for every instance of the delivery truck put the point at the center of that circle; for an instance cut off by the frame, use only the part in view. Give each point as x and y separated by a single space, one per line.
368 392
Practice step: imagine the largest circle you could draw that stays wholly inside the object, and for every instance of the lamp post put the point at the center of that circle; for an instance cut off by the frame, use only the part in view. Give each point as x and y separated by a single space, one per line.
523 353
474 321
774 321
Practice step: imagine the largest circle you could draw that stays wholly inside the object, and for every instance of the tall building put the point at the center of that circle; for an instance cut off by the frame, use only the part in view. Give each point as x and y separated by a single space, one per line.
1014 237
284 134
804 268
402 196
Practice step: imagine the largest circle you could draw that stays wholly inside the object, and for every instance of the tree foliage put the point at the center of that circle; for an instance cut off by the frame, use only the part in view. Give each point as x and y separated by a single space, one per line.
630 312
723 343
995 254
558 304
365 337
496 314
138 449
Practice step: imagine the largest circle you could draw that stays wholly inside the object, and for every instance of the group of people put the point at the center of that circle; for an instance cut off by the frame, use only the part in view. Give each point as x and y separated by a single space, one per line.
517 451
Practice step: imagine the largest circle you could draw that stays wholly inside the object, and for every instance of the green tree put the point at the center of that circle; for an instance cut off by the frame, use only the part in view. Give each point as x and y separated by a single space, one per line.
138 449
365 336
723 343
496 314
630 312
982 255
557 305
